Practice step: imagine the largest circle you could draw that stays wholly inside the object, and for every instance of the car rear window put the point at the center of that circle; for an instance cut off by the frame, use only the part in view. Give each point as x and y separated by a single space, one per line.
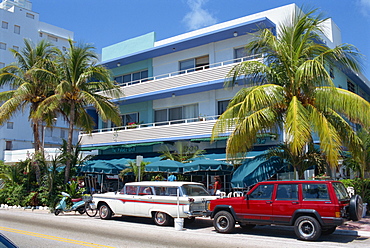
194 190
315 192
286 192
340 191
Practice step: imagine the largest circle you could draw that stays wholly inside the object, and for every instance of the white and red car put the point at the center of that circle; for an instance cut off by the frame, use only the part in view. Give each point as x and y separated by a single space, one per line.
159 200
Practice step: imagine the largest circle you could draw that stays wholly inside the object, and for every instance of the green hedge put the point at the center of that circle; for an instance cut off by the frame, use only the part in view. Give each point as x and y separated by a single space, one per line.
361 186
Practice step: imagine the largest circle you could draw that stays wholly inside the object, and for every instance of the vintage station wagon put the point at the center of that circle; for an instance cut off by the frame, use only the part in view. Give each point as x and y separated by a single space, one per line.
159 200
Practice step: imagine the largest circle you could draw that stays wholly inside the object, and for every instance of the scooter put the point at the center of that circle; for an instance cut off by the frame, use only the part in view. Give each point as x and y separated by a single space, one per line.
62 206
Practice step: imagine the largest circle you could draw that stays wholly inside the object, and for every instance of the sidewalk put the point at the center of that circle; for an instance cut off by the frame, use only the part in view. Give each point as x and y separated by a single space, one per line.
360 228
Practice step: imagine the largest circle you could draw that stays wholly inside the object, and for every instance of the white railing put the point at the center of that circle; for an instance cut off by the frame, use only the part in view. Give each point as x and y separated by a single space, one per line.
171 74
154 124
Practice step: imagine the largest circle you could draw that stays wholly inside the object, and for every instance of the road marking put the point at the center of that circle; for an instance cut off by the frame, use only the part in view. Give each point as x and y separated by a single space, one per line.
44 236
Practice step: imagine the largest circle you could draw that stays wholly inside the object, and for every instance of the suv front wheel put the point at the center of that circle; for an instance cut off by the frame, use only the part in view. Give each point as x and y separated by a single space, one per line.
224 222
307 228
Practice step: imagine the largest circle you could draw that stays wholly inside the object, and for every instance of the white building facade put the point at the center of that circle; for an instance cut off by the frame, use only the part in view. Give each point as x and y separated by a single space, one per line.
174 87
18 22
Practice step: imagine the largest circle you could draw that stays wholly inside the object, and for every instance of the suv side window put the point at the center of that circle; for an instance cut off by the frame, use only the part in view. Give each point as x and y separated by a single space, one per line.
262 192
315 192
287 192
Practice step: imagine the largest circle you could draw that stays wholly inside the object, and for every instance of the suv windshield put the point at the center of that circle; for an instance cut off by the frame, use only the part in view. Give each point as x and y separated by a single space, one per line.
194 190
340 191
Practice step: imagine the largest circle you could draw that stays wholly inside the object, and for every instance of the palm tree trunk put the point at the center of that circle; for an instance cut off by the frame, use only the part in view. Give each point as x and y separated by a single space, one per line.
36 138
69 143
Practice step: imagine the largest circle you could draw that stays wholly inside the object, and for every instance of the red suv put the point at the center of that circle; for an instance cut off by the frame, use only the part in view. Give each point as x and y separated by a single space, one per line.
312 207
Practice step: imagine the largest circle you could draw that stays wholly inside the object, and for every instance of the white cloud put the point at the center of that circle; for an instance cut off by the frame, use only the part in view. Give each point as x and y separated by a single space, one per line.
365 7
198 17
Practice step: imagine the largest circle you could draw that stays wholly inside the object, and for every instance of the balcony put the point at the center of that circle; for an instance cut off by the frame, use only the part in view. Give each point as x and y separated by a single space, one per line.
180 79
150 132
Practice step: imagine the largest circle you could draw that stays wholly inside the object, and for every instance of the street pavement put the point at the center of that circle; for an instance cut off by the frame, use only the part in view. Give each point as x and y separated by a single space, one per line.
352 228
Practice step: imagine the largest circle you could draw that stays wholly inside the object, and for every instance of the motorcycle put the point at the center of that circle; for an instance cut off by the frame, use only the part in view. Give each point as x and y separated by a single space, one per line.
62 206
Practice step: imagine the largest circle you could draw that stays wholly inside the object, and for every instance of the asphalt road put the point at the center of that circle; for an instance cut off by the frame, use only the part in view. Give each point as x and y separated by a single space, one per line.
40 229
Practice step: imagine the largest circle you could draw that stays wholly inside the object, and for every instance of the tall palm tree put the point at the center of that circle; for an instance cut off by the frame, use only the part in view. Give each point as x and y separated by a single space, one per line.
292 91
81 83
30 80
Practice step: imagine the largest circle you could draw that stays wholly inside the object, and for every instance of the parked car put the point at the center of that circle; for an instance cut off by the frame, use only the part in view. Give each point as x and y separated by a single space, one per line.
159 200
312 207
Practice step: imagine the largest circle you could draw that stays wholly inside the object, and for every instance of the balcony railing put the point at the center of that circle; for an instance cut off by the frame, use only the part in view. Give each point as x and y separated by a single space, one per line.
171 74
154 124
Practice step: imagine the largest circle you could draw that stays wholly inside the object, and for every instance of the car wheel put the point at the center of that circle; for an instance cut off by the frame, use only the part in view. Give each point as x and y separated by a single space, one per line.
57 211
328 230
161 219
81 210
355 208
307 228
247 226
105 212
224 222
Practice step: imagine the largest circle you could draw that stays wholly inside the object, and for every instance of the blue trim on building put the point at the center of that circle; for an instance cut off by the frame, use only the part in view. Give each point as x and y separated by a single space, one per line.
195 41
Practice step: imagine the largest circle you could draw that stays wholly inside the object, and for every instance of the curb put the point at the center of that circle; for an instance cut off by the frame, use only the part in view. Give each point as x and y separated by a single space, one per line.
352 233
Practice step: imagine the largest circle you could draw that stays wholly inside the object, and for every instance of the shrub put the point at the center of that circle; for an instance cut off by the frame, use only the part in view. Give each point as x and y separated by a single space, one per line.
361 186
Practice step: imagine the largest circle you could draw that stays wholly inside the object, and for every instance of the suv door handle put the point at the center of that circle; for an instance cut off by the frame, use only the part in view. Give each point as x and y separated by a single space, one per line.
268 202
295 202
327 202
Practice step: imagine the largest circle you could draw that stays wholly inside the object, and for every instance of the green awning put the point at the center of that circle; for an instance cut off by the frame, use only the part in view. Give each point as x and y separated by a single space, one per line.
89 148
253 171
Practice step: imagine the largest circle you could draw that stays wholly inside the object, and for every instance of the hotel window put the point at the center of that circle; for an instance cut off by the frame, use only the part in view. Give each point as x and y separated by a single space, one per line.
222 106
2 46
63 134
240 54
17 29
8 145
4 25
177 113
133 77
129 118
52 38
195 64
2 65
48 132
40 34
16 48
29 15
351 86
9 125
64 49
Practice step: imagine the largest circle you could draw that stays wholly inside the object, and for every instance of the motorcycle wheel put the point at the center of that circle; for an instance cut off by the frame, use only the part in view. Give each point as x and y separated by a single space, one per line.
81 210
57 211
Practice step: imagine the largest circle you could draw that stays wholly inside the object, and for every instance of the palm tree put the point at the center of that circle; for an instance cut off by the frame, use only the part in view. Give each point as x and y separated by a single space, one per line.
133 168
300 163
81 83
30 79
360 161
292 91
182 152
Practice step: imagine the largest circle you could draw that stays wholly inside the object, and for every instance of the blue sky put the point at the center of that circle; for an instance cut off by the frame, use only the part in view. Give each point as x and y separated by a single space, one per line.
106 22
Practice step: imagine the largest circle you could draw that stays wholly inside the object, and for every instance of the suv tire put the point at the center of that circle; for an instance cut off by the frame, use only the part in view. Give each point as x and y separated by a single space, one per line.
355 208
307 228
224 222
